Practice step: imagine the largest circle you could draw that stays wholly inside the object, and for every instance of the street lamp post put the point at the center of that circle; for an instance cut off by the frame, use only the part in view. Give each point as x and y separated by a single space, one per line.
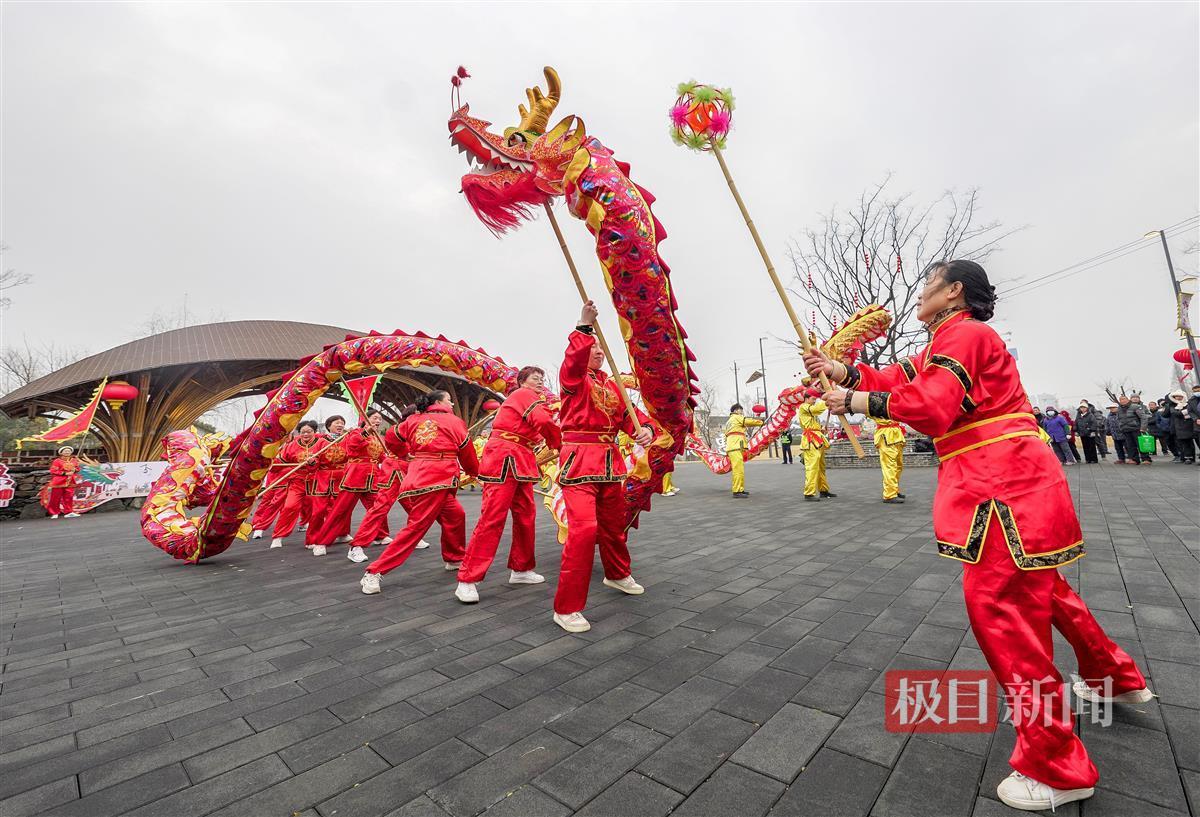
1187 333
737 395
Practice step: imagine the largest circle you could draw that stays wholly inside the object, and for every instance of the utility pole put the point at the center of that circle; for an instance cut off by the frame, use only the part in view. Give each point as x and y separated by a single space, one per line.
737 394
1191 341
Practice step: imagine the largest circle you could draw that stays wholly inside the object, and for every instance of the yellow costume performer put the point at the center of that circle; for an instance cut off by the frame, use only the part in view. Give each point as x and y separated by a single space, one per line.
813 444
889 441
735 447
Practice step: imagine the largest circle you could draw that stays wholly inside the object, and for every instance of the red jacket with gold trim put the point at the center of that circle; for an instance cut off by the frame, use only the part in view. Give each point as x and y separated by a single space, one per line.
591 414
294 452
331 462
364 452
521 423
438 446
963 389
64 472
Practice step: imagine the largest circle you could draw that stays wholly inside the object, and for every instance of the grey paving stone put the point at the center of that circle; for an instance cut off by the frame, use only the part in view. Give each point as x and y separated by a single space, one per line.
446 695
652 799
1135 762
527 802
403 782
836 688
692 755
304 790
863 733
763 695
489 781
410 741
785 743
588 722
41 799
219 791
418 807
732 791
239 752
740 664
589 771
327 745
675 711
122 797
504 729
929 779
376 699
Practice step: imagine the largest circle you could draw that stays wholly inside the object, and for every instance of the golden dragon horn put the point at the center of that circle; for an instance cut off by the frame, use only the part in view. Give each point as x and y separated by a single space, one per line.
540 106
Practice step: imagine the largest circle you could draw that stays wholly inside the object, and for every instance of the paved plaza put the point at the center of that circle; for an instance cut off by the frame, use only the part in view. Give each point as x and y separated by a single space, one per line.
748 680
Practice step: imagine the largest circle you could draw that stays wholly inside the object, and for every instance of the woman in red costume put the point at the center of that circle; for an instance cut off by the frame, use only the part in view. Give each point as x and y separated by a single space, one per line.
1003 508
301 485
323 490
508 471
392 468
364 451
437 443
64 476
271 499
591 471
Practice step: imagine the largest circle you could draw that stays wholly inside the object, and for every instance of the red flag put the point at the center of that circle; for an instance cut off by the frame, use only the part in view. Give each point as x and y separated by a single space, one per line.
362 390
73 426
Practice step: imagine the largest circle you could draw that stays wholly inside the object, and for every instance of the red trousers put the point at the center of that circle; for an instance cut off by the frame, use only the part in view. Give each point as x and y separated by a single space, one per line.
337 518
375 525
1011 613
294 501
498 499
423 510
60 500
595 515
270 504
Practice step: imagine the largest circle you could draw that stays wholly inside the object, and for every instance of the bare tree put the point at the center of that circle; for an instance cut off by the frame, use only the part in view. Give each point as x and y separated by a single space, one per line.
10 278
876 252
181 316
705 401
1121 385
23 364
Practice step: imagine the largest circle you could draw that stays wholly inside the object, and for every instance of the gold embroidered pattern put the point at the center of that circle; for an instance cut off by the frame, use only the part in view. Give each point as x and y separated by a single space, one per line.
877 405
604 398
425 433
973 548
910 371
1039 561
968 405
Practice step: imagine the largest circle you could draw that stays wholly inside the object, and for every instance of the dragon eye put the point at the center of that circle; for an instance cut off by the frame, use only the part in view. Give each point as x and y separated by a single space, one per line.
517 139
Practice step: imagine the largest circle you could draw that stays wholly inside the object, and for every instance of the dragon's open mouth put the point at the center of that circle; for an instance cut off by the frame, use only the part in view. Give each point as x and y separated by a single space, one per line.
486 153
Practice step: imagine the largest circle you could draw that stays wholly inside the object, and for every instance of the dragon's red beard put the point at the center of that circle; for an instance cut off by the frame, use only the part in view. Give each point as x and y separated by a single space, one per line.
502 200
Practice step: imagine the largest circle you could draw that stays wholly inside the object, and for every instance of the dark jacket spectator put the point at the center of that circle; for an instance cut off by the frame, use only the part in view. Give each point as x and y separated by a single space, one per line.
1056 426
1131 417
1112 422
1090 428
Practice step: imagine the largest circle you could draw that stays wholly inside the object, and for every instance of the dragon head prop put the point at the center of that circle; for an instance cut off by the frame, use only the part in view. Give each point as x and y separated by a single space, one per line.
523 168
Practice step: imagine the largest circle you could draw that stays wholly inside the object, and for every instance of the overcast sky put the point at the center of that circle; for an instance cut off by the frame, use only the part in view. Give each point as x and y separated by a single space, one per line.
289 161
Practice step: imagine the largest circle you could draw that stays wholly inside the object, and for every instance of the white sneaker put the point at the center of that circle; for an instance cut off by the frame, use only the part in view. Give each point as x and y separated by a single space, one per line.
1085 692
452 565
670 493
572 622
1027 794
467 593
387 540
356 555
70 516
318 550
422 545
626 585
341 540
525 577
370 583
276 543
256 535
54 516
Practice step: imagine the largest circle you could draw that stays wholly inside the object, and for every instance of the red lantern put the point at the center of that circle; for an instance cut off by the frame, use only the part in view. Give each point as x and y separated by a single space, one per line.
759 408
491 405
117 393
1183 356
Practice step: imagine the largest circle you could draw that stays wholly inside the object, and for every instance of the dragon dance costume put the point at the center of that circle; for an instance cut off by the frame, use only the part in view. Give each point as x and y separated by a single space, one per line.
363 453
437 444
301 488
889 442
1003 508
392 468
591 470
508 472
735 448
59 498
813 445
